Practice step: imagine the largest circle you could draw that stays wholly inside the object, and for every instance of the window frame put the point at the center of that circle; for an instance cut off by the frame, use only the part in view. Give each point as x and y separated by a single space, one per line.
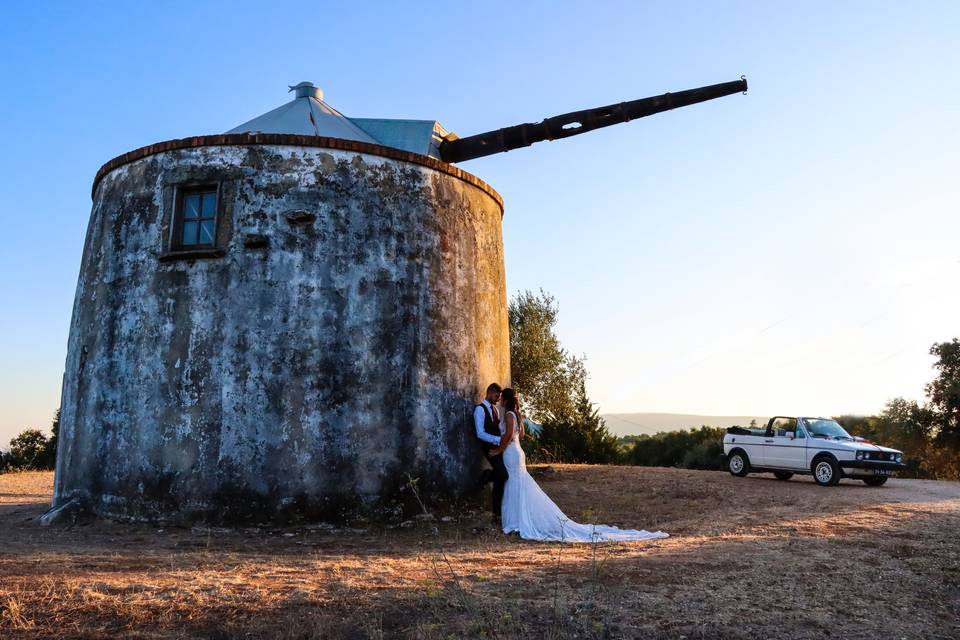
178 222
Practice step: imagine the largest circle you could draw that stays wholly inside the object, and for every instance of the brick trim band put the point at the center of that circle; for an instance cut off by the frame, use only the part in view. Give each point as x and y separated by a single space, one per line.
285 139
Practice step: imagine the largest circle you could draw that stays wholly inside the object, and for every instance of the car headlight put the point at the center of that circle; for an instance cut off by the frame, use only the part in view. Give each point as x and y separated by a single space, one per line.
897 457
859 455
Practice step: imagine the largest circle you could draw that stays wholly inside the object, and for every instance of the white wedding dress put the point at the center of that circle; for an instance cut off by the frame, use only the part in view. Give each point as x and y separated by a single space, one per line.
530 512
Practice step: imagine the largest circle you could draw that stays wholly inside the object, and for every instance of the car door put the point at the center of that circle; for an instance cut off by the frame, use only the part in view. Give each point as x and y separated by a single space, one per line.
788 449
754 444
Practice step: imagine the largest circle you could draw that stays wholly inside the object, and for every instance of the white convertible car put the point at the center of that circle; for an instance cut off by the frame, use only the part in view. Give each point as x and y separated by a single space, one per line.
818 446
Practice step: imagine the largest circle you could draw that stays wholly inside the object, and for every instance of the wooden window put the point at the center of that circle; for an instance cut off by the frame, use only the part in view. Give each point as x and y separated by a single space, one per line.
195 223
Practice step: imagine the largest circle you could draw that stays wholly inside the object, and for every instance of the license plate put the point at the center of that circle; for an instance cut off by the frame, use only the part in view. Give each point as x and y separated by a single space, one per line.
881 472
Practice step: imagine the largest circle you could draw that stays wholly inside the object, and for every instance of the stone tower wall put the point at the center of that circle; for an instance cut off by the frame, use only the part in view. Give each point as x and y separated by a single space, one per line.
335 341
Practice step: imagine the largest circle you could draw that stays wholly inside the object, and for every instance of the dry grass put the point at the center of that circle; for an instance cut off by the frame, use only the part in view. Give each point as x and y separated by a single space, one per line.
749 558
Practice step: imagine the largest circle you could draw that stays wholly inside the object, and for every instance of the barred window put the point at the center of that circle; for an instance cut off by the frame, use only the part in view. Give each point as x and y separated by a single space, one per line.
195 225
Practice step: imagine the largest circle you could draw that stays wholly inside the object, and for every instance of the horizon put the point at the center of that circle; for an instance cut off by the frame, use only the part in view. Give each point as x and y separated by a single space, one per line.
650 428
788 250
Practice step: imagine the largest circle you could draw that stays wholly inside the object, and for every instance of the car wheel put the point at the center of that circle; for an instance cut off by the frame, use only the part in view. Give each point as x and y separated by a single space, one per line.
826 471
875 481
738 464
782 475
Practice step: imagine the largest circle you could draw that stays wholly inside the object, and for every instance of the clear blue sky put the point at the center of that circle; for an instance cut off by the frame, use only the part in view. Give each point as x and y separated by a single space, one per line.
792 250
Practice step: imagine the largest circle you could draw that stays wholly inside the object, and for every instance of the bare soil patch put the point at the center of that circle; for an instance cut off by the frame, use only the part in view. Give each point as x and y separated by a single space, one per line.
748 558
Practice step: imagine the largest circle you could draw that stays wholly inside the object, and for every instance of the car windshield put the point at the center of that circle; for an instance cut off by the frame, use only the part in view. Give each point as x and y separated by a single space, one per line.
818 427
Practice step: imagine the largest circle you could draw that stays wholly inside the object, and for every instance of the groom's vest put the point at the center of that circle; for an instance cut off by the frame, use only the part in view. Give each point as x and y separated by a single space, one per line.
489 426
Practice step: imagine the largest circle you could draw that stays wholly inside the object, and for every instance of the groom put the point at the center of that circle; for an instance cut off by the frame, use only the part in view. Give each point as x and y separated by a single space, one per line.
486 419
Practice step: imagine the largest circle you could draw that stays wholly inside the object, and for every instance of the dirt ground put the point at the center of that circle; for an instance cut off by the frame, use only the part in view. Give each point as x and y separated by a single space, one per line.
747 558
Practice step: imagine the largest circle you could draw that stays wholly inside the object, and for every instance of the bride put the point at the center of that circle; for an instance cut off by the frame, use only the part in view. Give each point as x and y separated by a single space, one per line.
527 510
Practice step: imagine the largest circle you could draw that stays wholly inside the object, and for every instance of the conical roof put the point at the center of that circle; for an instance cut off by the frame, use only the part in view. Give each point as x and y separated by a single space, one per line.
308 115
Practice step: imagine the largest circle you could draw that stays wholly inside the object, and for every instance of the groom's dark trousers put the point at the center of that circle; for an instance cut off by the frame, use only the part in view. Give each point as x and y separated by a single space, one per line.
499 480
499 469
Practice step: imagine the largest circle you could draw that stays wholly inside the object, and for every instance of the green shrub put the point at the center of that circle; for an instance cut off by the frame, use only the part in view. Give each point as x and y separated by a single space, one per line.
700 448
30 450
704 455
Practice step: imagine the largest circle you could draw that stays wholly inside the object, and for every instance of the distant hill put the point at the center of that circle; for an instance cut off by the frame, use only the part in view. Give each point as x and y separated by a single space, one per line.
635 424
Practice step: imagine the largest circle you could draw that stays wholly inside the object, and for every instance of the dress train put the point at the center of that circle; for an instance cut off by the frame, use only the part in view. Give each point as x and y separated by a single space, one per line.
530 512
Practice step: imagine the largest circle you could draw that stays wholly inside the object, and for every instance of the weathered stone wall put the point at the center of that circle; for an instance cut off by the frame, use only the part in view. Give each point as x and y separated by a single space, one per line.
305 376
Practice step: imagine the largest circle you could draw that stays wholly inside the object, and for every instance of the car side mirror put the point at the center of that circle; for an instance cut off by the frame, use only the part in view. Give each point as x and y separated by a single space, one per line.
790 434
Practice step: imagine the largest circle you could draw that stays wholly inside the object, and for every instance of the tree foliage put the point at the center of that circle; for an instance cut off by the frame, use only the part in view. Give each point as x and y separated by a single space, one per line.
32 450
584 439
541 369
553 387
943 393
29 450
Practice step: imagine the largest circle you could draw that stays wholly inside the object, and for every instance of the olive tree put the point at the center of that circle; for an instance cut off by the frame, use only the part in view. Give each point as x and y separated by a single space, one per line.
552 383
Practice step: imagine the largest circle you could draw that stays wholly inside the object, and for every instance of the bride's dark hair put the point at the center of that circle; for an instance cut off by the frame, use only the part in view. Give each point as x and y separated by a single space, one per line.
511 401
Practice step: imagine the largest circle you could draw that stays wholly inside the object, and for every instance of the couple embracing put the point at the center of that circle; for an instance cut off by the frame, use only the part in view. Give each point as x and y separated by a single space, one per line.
519 503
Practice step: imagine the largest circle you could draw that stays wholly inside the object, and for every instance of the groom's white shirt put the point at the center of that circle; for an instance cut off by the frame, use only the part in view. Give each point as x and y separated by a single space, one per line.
480 417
